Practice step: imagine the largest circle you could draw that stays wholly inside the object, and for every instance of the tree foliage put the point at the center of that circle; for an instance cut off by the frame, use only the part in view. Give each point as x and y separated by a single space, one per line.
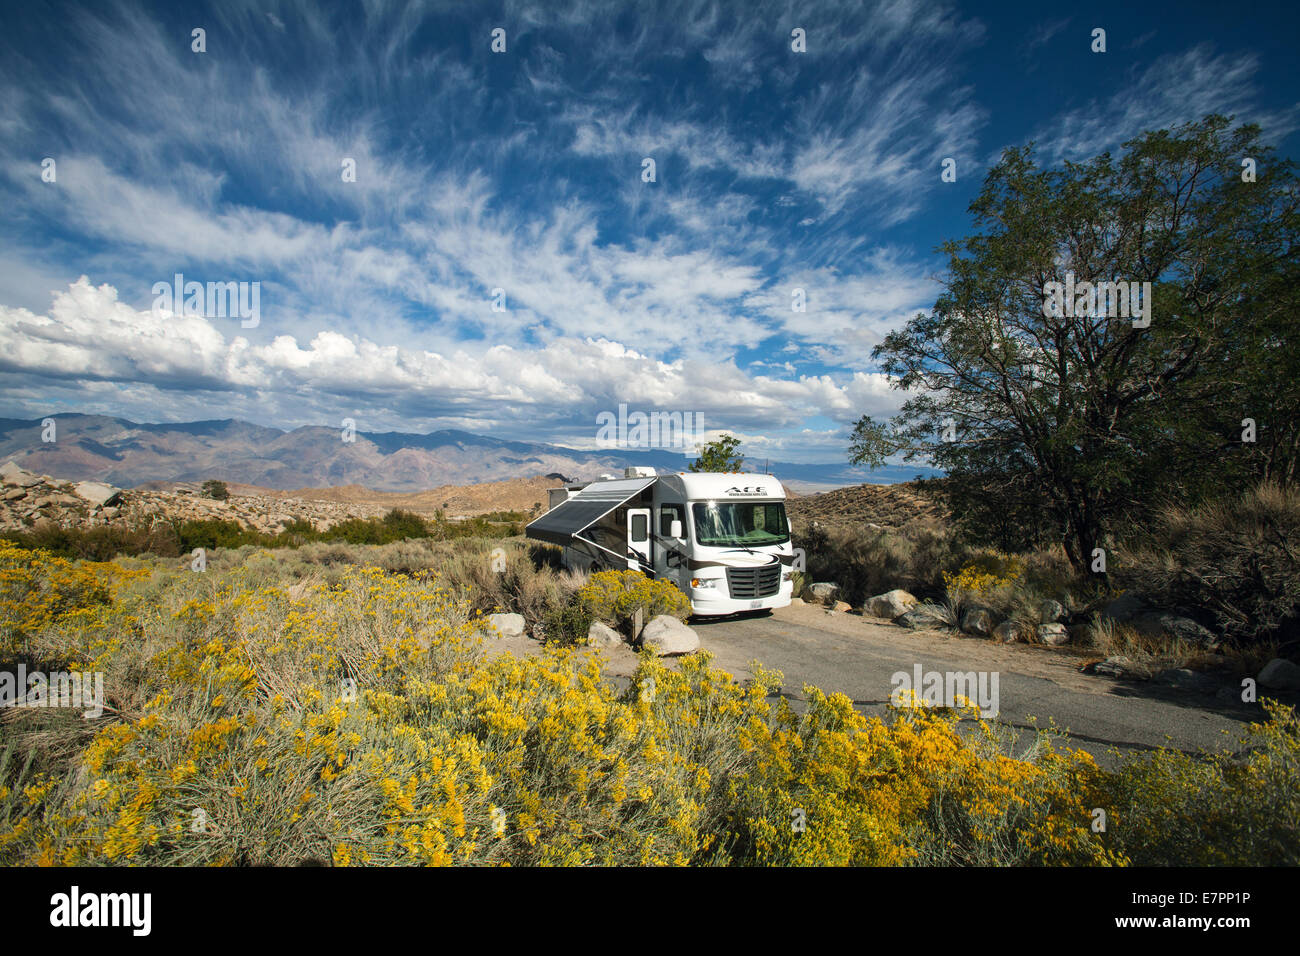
1080 425
215 489
719 455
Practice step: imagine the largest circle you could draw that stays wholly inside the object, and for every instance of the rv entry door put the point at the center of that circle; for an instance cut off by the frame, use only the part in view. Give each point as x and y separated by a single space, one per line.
638 539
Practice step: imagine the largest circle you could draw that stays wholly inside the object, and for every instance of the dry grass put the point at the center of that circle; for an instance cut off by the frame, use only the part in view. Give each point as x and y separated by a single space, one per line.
1235 563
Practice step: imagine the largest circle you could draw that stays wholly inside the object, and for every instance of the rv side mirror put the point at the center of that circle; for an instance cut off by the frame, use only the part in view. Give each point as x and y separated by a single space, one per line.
675 529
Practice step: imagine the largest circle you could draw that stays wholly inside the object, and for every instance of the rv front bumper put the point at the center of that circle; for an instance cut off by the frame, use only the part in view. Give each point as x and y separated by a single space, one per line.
714 601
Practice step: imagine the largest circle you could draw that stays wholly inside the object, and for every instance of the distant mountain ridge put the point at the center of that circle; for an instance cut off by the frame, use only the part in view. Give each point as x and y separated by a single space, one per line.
126 454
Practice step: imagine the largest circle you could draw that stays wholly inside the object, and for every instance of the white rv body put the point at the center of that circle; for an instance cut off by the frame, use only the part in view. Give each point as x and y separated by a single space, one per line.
723 539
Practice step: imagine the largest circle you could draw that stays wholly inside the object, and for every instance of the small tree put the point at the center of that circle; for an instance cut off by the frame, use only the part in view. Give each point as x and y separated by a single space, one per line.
215 489
718 455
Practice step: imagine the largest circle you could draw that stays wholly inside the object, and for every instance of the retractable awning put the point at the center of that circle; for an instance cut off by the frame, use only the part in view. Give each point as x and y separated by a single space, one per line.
582 510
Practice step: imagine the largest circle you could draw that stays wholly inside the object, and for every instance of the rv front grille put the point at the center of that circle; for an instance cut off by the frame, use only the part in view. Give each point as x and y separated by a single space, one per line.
744 583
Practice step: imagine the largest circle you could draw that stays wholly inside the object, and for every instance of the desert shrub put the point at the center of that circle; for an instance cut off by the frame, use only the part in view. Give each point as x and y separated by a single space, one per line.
330 553
568 624
532 591
173 538
358 531
40 591
215 489
212 533
932 549
100 543
1233 562
359 721
862 563
525 586
832 787
1149 652
614 597
1173 809
546 555
989 571
867 562
405 524
990 580
1014 586
407 556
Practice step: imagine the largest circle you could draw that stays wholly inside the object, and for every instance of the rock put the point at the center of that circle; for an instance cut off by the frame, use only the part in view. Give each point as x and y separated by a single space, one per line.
110 512
98 493
842 606
507 625
796 601
1280 674
11 474
1054 635
1011 632
915 619
1111 667
667 635
1180 628
1125 607
825 592
602 635
15 494
977 621
1050 612
1185 678
892 604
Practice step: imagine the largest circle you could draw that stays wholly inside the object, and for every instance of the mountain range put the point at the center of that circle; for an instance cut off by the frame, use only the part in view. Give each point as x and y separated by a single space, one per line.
127 454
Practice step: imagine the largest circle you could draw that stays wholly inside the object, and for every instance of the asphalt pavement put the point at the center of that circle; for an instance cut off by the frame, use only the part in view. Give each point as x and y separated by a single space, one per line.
1037 686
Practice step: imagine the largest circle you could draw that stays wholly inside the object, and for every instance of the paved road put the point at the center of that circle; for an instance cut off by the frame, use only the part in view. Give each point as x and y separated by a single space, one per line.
857 656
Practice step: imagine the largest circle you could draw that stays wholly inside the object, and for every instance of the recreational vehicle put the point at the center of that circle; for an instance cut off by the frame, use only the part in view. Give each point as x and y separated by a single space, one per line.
723 539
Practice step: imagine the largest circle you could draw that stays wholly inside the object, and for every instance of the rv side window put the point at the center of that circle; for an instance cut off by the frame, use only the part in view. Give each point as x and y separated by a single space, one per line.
640 528
667 515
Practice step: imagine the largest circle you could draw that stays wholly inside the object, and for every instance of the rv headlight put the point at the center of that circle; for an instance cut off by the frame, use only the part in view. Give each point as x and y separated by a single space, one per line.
705 582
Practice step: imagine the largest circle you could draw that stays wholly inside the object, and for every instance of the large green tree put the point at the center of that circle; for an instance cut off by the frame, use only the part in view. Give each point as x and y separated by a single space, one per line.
1080 424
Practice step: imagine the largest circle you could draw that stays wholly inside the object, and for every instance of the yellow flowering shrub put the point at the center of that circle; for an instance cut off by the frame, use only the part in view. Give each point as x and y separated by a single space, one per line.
832 787
615 596
363 722
39 591
1232 810
990 571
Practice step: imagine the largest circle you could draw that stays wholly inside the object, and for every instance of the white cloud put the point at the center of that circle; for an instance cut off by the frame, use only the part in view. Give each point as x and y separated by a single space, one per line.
377 293
90 339
1171 90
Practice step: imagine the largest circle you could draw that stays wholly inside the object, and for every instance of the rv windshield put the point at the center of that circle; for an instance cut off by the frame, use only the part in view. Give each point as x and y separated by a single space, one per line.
724 524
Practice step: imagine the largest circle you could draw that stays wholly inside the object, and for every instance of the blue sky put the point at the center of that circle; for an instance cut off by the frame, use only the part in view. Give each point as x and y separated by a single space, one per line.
522 171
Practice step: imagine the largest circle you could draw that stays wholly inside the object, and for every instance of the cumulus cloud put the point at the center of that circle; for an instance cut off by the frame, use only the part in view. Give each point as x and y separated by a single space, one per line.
165 366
